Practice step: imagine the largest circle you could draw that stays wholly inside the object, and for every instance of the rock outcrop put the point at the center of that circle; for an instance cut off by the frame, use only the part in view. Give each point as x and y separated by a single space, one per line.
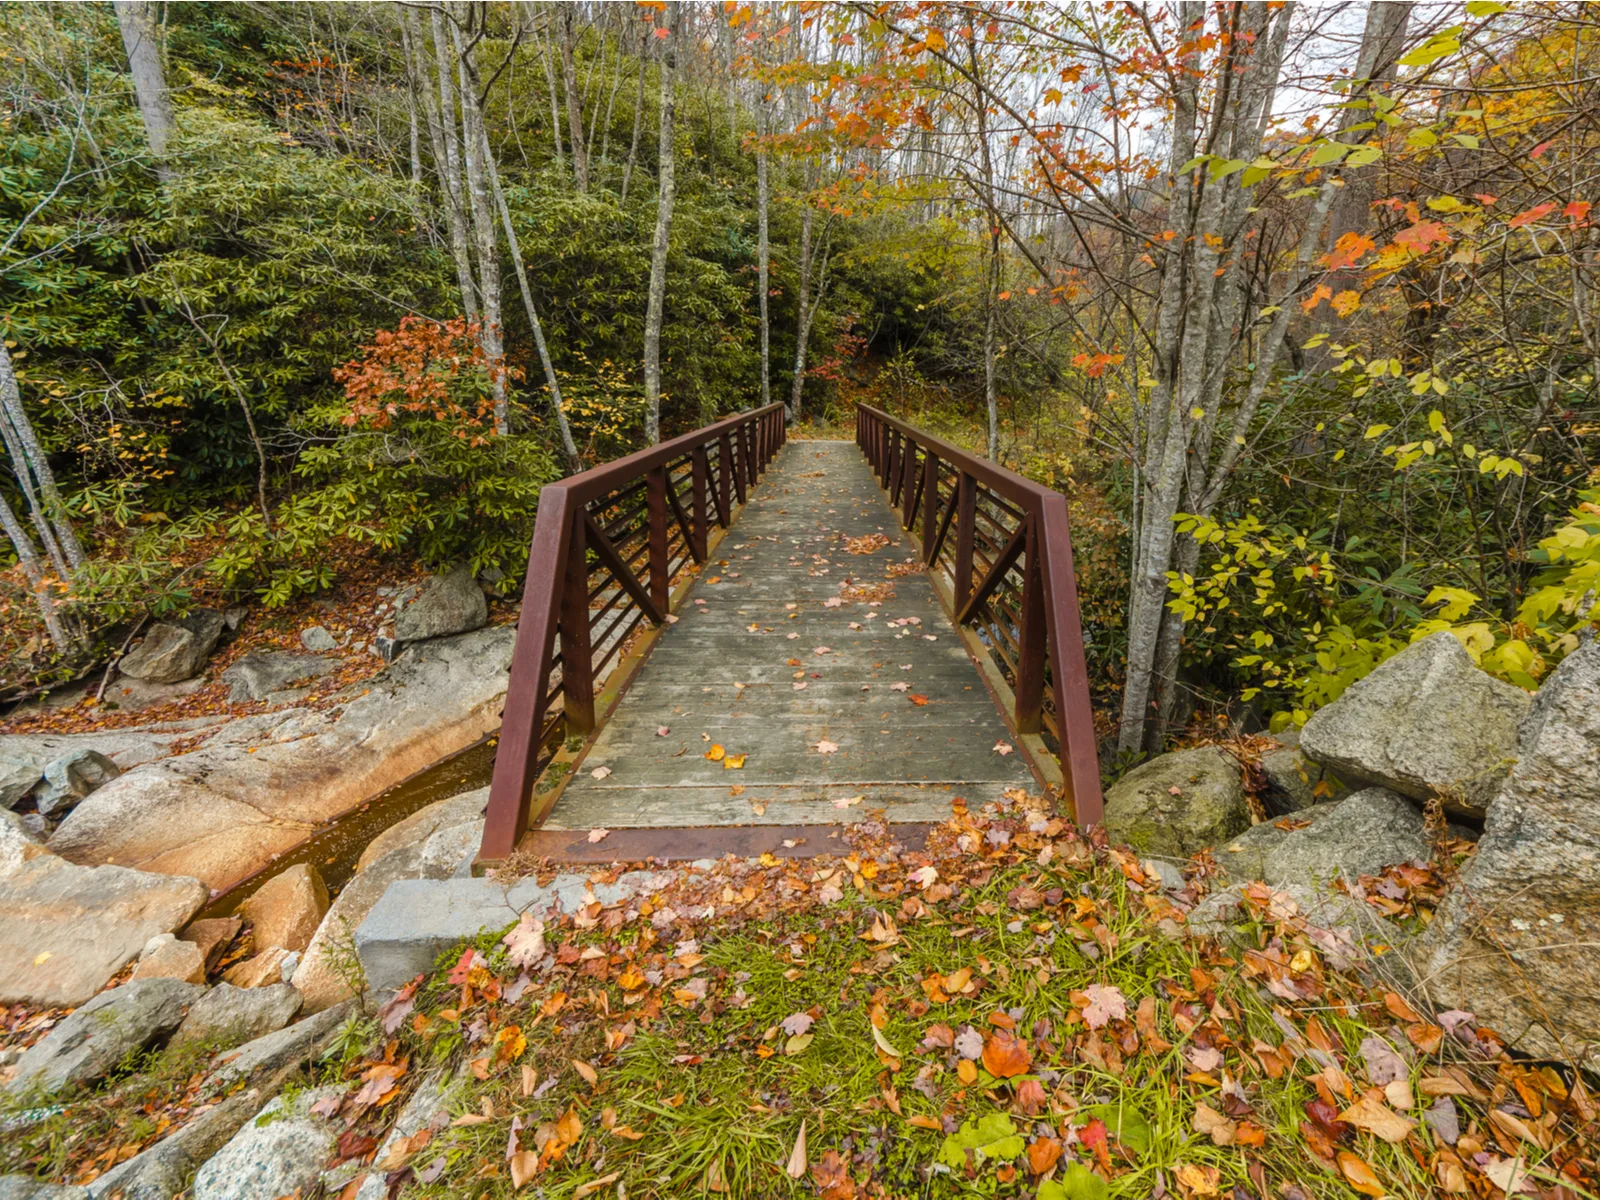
1514 940
1178 803
228 1016
220 812
66 929
286 910
430 844
279 1153
447 604
1428 722
261 674
101 1034
1359 835
174 650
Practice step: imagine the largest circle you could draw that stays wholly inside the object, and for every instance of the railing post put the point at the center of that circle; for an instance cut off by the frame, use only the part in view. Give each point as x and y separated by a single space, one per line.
930 499
747 455
966 515
660 568
1031 644
700 485
908 482
890 462
577 656
724 474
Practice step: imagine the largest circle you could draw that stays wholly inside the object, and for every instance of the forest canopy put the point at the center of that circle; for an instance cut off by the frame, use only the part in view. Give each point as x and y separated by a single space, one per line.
1296 304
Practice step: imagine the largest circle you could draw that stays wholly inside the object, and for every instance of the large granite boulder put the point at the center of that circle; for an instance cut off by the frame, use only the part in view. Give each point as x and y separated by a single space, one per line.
1294 782
1359 835
27 1187
1514 941
70 778
17 779
286 910
1177 804
433 843
176 649
66 929
163 1171
101 1034
279 1153
228 1016
447 604
1428 722
299 1043
261 673
262 784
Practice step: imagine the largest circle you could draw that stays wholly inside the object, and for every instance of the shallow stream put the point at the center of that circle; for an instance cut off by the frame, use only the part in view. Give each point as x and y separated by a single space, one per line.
335 848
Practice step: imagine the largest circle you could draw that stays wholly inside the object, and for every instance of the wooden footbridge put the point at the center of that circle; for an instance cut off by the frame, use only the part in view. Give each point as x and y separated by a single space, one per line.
732 642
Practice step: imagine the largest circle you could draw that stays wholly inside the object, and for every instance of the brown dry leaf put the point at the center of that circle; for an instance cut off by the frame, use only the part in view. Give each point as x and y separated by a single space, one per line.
590 1076
1145 1021
796 1166
1196 1181
595 1185
1360 1176
1043 1153
1004 1056
1214 1125
1373 1115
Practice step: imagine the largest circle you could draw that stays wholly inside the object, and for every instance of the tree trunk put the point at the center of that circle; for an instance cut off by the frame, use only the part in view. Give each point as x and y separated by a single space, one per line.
569 79
476 144
447 162
34 476
28 556
655 309
555 104
763 274
550 379
803 329
638 119
138 26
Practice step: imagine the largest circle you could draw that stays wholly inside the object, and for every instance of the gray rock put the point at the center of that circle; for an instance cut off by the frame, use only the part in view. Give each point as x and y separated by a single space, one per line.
417 919
1361 835
1426 722
262 784
301 1042
262 672
18 842
101 1034
318 640
128 694
70 778
1514 940
227 1016
235 615
17 777
163 1171
174 650
1177 804
467 809
1293 781
1245 857
452 603
387 648
65 930
26 1187
278 1153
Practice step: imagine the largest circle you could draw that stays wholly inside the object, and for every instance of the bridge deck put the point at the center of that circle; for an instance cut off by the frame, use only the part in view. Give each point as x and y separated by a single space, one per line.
901 699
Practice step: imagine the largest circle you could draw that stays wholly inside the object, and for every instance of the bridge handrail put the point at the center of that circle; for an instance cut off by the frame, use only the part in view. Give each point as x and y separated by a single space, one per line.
1011 577
630 514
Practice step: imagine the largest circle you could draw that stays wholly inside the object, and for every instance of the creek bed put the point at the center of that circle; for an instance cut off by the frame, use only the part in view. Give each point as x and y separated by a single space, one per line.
335 848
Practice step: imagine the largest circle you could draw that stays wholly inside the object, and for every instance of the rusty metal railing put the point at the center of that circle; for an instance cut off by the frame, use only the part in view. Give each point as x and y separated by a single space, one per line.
1004 543
608 545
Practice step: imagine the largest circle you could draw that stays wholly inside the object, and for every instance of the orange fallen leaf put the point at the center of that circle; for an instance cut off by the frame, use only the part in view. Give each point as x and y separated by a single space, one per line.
1004 1056
1359 1176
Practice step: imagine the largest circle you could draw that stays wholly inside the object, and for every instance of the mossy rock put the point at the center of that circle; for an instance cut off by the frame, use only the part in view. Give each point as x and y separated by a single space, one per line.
1179 803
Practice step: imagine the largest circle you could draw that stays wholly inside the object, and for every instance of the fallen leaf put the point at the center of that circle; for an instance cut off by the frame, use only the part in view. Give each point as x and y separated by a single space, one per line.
525 942
733 762
1003 748
1360 1176
1106 1004
1371 1114
590 1075
1004 1056
1214 1125
599 835
826 747
599 772
796 1167
595 1185
716 753
1043 1153
662 731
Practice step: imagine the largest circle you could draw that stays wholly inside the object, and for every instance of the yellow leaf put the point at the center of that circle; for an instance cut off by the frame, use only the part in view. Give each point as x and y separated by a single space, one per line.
1371 1114
716 753
733 762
